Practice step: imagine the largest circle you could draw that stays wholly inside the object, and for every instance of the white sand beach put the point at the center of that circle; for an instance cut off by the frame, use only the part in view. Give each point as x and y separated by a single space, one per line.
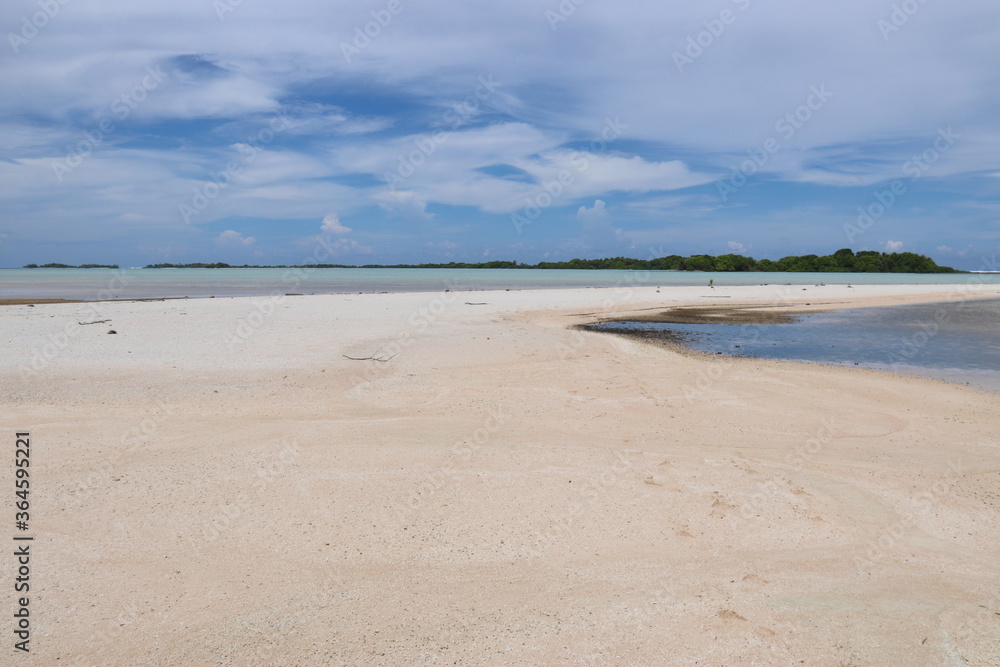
217 484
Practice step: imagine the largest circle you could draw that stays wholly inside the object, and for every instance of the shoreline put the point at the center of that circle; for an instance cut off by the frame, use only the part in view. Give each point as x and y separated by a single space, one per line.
36 302
505 488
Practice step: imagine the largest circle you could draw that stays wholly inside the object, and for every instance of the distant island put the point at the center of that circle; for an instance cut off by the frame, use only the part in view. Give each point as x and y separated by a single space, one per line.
69 266
842 261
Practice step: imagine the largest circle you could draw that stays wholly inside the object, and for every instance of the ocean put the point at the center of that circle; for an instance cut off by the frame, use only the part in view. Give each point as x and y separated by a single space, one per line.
953 341
89 284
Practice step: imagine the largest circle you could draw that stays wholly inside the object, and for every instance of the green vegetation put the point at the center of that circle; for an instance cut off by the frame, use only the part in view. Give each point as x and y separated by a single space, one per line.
201 265
70 266
451 265
842 261
496 264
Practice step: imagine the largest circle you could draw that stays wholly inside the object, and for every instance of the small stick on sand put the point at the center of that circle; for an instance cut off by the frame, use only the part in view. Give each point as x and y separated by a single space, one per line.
374 357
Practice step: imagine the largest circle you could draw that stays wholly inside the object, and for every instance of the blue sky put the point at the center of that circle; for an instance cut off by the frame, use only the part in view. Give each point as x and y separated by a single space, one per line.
432 131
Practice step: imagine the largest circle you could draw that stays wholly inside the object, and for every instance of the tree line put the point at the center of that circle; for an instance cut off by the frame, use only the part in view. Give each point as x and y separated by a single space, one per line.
842 261
55 265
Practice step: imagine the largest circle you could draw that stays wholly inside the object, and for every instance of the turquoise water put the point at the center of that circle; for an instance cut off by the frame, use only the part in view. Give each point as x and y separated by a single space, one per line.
142 283
954 341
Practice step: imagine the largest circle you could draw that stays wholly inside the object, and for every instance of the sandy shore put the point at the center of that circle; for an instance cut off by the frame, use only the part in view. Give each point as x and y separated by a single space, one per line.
217 484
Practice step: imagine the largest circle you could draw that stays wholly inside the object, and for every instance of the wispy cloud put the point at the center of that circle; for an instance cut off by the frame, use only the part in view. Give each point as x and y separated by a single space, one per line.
332 225
230 238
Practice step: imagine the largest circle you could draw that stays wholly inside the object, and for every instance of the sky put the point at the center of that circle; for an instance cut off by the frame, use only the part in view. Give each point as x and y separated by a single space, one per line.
390 131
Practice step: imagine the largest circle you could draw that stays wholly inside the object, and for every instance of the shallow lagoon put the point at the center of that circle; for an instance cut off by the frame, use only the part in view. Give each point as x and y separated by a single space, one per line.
955 341
152 283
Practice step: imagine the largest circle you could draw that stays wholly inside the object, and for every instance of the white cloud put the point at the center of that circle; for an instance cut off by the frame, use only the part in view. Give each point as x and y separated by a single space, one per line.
893 246
408 204
446 245
332 224
233 238
737 247
349 247
596 215
599 234
455 168
596 174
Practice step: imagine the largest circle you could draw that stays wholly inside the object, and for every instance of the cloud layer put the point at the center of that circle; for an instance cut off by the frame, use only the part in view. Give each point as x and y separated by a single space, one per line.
136 134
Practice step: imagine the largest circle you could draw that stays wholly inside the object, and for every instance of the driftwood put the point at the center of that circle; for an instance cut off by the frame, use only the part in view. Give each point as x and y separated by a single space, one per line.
374 357
476 303
94 322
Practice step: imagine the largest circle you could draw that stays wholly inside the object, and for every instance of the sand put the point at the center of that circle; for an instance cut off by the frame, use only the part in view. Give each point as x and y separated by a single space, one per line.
217 484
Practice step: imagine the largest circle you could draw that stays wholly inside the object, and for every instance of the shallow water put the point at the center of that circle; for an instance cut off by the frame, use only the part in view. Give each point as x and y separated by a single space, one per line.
143 283
958 341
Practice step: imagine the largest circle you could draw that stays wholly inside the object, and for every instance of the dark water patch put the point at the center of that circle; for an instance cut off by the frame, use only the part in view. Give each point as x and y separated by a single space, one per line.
719 315
955 341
